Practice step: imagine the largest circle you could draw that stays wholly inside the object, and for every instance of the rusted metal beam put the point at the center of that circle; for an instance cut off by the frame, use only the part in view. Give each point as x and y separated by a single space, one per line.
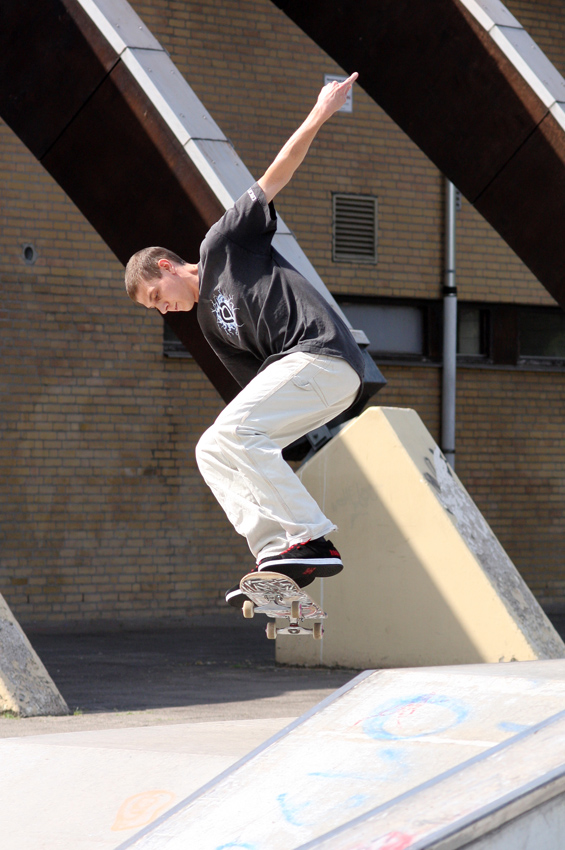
472 90
120 130
67 95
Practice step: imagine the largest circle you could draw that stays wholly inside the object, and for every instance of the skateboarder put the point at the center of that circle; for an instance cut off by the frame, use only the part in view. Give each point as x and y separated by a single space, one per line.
294 357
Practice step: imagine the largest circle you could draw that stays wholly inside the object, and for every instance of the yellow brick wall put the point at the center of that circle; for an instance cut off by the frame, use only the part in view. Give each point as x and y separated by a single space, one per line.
511 457
104 513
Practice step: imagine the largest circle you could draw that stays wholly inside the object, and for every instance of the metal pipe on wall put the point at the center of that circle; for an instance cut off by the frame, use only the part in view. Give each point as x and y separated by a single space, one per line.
449 371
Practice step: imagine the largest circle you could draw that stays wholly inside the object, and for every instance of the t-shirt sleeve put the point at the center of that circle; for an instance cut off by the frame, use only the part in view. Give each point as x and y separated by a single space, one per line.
251 222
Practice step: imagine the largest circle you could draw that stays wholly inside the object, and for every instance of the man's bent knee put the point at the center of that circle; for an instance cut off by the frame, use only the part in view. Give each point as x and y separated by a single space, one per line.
213 441
205 447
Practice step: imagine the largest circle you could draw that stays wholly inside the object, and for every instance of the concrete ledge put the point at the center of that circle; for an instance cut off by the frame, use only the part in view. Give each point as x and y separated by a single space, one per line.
26 689
426 582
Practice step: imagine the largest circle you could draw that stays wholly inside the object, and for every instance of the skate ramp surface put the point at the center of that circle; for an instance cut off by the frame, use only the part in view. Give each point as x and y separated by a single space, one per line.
409 756
91 790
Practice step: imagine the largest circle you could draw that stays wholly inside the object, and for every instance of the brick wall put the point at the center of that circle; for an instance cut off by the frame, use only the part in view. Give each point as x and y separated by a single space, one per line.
105 517
104 514
511 458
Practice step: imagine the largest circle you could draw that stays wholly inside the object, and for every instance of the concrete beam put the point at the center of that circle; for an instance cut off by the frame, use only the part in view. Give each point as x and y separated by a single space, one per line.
26 688
117 126
426 581
470 87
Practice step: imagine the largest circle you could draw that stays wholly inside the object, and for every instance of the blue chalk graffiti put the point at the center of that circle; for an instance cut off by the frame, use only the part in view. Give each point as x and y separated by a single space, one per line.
292 812
304 814
507 726
356 800
237 847
396 755
396 709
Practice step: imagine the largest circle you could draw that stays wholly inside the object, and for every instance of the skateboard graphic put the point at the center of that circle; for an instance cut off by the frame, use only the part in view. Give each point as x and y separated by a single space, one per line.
277 595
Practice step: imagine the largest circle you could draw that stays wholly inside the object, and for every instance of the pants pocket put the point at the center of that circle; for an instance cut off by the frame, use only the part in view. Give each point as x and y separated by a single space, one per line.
310 385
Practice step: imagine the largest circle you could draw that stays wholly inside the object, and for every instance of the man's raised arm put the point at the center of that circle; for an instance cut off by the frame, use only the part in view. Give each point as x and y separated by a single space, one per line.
331 98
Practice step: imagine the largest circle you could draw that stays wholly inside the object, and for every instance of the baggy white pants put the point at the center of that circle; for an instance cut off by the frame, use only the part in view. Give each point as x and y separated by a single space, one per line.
240 455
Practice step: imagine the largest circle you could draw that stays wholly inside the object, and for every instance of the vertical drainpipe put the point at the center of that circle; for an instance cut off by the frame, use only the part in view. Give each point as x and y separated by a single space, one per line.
449 375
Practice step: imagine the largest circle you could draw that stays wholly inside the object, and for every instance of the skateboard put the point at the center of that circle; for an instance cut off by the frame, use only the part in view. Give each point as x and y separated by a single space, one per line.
277 595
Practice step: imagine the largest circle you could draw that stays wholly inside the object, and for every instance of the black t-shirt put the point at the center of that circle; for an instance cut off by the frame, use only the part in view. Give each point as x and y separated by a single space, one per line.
253 306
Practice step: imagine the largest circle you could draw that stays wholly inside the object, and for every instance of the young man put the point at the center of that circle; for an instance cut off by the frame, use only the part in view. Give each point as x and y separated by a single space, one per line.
296 360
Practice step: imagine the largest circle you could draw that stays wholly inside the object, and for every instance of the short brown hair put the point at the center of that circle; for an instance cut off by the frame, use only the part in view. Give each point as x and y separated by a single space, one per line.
144 266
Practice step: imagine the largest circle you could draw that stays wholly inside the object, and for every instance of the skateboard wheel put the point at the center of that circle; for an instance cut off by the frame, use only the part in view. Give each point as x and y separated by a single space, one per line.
248 609
271 630
295 609
317 631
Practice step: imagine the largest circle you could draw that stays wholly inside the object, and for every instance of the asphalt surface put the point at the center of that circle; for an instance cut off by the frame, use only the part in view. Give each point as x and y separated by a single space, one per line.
182 675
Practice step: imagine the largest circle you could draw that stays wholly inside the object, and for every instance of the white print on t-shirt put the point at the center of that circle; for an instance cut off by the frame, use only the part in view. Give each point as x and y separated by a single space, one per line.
252 194
224 312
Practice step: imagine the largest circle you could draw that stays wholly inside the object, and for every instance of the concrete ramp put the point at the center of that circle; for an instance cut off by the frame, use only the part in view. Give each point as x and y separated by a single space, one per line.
425 582
393 760
91 790
509 798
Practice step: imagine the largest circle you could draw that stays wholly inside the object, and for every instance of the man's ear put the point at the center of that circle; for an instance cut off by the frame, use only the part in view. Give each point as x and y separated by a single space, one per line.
166 265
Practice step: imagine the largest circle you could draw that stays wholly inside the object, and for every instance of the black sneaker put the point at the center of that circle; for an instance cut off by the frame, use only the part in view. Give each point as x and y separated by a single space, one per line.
235 596
314 559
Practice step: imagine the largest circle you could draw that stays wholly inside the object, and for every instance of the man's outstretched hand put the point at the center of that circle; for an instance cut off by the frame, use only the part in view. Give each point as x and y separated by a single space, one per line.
330 100
333 96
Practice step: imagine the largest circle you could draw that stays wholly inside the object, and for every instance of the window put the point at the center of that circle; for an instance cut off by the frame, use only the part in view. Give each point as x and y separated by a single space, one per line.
172 346
391 328
407 330
354 229
473 331
541 333
488 335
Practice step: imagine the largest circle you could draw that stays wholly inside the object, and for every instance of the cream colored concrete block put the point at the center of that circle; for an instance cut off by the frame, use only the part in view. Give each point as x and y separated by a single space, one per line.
26 687
425 582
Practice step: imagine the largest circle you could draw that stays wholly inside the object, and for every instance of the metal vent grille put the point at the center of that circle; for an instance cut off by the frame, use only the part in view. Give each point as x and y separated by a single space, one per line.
354 228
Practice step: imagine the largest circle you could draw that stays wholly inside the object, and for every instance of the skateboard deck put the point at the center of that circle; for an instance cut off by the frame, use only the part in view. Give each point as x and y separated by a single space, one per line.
278 596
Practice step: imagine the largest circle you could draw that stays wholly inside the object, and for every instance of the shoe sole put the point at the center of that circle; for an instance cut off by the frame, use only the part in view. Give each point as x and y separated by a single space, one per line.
236 598
324 567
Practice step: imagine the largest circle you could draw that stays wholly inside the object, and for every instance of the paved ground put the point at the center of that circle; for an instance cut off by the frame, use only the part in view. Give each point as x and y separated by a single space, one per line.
183 675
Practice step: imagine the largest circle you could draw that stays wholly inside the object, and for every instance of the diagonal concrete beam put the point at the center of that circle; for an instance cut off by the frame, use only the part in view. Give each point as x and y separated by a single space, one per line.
26 688
470 87
121 131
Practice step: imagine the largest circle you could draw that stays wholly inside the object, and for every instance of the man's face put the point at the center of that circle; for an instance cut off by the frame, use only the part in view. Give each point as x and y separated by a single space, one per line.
169 293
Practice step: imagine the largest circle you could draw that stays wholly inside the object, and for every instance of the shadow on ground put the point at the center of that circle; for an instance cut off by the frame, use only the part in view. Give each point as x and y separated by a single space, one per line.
183 675
140 670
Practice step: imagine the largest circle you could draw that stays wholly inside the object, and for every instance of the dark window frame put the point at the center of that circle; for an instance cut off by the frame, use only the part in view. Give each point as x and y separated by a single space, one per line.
500 334
431 324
